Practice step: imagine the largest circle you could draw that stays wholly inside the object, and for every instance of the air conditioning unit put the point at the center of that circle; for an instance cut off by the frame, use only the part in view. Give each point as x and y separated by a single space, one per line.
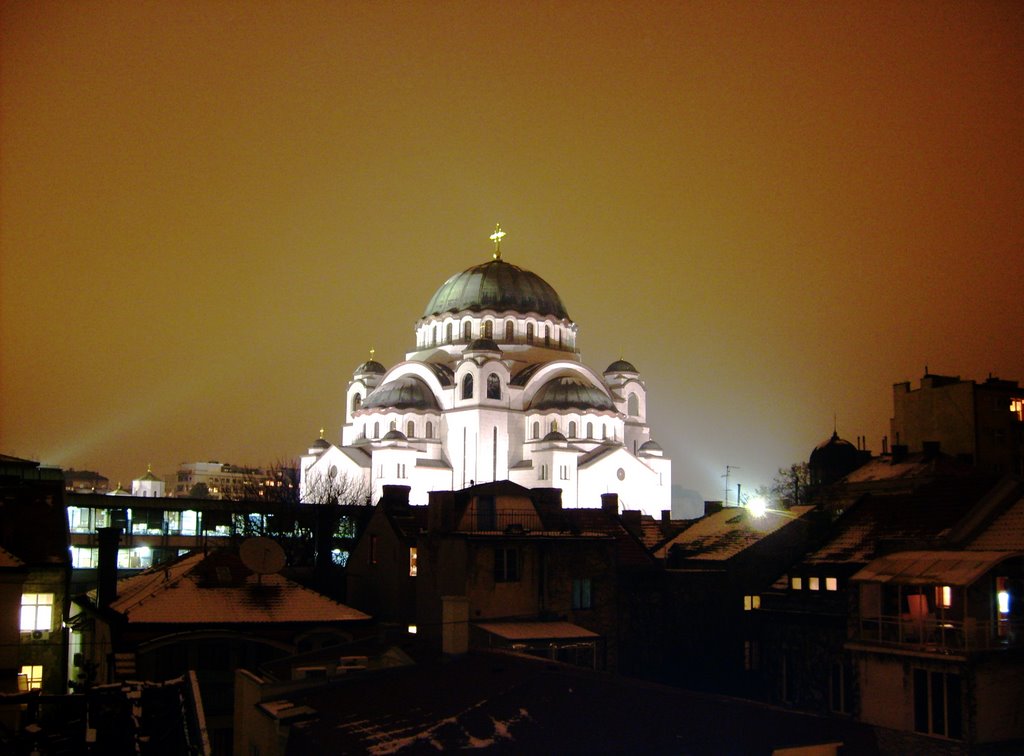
40 635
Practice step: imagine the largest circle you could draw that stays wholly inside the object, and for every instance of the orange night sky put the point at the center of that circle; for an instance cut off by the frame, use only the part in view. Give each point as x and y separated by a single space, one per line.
211 211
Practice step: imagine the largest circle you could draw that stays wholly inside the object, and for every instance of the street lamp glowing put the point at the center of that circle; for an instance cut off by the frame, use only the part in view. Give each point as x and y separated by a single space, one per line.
757 505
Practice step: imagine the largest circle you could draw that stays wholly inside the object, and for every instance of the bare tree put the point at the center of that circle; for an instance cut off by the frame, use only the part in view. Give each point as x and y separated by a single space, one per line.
788 488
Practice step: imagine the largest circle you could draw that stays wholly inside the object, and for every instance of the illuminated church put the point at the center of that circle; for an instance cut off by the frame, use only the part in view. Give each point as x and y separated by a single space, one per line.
495 390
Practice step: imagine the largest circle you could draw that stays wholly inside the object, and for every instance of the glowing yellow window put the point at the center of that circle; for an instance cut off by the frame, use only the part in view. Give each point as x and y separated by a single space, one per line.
36 611
751 602
814 583
796 583
30 677
831 584
944 596
412 561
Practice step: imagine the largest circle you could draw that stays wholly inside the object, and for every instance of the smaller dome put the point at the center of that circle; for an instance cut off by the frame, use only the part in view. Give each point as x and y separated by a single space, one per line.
407 392
832 459
621 366
566 392
554 436
483 345
321 443
394 435
370 366
650 446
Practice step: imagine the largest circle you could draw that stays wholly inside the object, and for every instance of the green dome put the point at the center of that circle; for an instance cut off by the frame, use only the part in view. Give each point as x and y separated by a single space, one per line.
496 285
407 392
569 393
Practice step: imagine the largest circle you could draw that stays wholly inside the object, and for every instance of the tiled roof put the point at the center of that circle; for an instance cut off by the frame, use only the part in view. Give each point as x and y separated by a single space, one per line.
893 519
726 533
629 552
216 588
961 568
1005 533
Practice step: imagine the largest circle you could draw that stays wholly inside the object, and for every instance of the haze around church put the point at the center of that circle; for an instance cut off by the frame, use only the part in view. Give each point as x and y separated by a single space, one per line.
209 217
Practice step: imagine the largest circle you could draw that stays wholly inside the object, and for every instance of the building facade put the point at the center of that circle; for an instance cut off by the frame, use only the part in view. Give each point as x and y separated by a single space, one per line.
495 389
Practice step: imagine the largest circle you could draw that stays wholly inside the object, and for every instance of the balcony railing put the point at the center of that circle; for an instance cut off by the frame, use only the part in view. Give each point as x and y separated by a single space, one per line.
511 521
940 634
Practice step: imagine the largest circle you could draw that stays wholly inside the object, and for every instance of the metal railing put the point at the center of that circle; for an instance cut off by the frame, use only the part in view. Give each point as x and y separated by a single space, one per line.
941 634
502 521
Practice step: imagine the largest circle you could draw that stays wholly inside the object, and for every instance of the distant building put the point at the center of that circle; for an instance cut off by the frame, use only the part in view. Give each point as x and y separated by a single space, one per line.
216 480
148 485
495 389
979 423
85 481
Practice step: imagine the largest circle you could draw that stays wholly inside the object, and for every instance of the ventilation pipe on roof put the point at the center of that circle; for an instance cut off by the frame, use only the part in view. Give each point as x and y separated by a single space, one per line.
106 573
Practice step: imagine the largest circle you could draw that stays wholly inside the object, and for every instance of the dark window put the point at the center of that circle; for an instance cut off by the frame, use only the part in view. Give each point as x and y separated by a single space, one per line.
448 332
467 387
937 703
633 406
357 402
529 333
493 386
581 594
751 655
506 565
486 513
430 429
510 331
410 429
536 430
572 429
467 330
488 330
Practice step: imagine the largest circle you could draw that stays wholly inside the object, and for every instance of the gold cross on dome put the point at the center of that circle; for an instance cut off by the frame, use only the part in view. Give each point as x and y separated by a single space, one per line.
496 238
372 352
322 432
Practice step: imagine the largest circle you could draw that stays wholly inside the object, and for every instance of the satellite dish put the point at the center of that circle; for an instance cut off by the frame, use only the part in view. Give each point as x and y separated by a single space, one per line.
264 556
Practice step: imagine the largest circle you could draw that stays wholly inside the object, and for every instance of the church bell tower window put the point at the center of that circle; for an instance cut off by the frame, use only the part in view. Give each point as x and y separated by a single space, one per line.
510 331
467 387
467 330
493 386
529 333
488 330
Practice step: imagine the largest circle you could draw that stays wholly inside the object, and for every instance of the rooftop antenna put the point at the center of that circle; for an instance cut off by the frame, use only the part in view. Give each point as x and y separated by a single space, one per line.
496 238
728 471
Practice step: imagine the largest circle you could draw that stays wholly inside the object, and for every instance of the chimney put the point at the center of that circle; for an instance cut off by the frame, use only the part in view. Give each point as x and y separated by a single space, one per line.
441 511
106 573
899 453
547 501
711 507
395 498
631 520
610 504
666 516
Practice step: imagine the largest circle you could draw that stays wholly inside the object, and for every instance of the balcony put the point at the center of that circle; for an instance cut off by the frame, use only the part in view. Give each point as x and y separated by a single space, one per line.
505 521
940 635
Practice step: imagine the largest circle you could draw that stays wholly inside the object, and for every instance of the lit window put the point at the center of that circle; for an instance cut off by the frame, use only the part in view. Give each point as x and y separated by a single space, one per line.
412 561
944 596
814 584
412 629
36 611
796 583
581 594
1017 408
831 584
83 558
30 677
751 602
1004 602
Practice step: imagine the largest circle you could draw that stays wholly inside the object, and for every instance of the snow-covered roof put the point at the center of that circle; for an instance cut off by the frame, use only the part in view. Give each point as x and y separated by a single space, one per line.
216 588
536 630
959 568
726 533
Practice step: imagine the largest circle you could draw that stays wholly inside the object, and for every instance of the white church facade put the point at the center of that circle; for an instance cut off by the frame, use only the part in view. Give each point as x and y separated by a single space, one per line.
495 390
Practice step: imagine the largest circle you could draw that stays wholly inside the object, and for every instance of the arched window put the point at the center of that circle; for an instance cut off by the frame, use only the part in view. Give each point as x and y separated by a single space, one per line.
376 430
393 425
633 406
529 333
493 386
554 426
558 336
510 331
357 402
467 330
572 429
604 431
430 429
590 430
448 333
467 387
536 430
488 329
546 335
410 429
437 333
